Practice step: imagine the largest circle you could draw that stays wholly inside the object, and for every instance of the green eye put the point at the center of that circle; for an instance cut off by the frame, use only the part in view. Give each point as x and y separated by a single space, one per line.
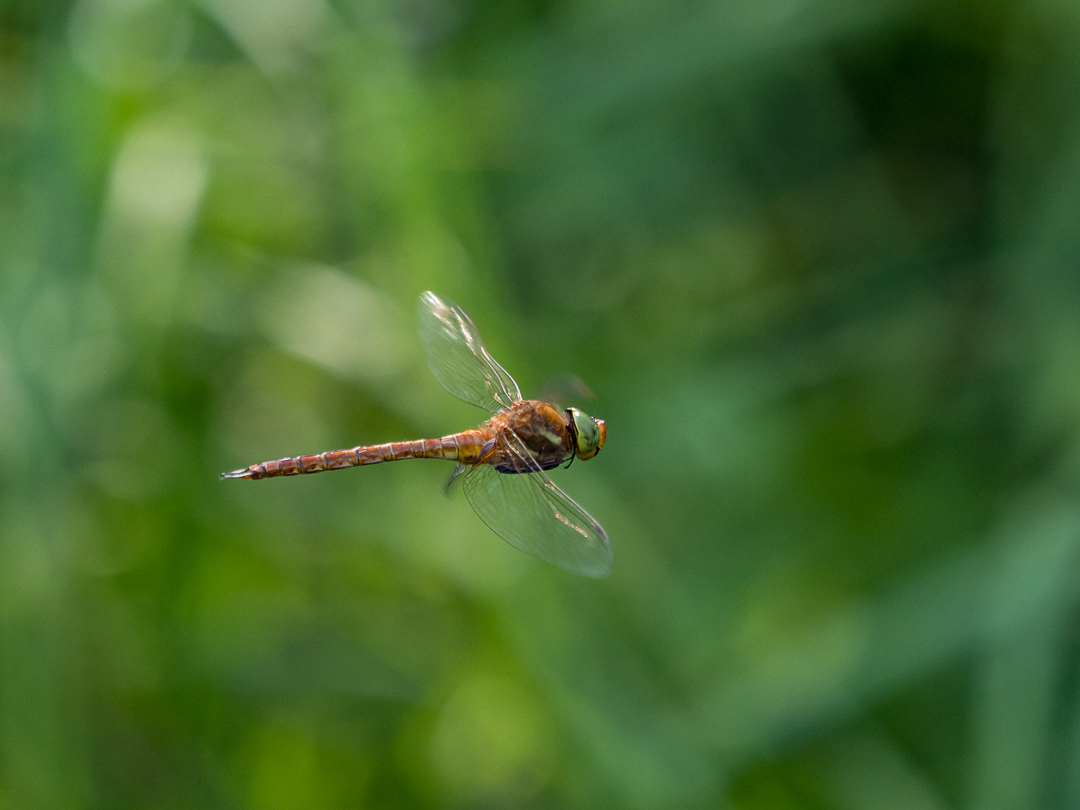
590 434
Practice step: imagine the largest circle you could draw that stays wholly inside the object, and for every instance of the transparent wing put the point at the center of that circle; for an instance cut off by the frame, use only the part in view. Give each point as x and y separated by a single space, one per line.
458 358
530 513
564 390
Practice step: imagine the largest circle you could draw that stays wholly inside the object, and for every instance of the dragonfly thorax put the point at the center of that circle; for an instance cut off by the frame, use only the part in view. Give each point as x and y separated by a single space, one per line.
542 428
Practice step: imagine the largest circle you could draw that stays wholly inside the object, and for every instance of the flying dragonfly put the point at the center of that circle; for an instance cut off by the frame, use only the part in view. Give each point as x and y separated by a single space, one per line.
504 461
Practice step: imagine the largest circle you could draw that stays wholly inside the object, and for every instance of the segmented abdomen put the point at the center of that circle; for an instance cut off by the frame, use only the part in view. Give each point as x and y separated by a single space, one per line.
464 447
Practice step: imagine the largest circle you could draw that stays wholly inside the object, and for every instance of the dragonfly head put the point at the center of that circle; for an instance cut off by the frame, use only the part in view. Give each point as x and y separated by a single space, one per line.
589 433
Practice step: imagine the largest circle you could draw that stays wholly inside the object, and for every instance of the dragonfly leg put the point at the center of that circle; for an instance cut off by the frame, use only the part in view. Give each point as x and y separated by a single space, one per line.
487 453
458 470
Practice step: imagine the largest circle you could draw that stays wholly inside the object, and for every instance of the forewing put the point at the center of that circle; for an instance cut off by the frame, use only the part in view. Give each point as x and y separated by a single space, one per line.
565 390
530 513
458 358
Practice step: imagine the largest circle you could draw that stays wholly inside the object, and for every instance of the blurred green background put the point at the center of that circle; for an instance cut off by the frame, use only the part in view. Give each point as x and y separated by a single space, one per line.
819 263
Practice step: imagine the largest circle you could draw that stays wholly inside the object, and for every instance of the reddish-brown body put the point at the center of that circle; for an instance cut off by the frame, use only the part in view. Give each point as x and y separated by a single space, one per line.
524 436
542 428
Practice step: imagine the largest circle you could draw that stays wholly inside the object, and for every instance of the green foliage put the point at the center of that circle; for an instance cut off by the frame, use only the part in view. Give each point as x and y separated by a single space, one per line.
819 264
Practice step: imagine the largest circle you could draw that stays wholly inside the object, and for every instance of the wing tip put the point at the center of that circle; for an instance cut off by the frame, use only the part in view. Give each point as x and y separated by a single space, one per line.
594 569
598 573
594 563
600 568
431 301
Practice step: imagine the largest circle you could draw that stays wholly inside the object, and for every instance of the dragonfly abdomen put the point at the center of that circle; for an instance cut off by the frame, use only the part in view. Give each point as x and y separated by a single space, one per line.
464 447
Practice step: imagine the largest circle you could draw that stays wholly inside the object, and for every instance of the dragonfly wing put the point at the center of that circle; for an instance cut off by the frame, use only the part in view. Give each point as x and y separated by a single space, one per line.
564 390
530 513
458 357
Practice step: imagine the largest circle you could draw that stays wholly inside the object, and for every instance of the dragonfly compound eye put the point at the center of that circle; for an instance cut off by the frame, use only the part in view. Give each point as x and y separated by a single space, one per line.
590 434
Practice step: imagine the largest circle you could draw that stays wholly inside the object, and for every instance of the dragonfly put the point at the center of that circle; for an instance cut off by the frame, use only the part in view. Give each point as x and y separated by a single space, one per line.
504 461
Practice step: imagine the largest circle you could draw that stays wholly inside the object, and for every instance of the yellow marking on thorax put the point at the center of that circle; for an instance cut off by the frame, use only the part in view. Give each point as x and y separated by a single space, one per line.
554 438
